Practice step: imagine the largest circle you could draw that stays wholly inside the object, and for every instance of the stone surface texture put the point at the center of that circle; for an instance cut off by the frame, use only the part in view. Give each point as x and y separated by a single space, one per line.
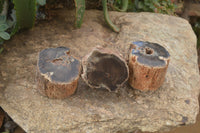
95 110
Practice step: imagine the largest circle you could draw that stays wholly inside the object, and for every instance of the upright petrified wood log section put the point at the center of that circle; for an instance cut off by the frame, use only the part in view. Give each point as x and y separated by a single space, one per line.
104 68
58 72
148 64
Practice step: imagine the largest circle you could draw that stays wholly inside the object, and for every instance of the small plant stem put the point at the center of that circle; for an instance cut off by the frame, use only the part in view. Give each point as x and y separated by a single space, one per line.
106 16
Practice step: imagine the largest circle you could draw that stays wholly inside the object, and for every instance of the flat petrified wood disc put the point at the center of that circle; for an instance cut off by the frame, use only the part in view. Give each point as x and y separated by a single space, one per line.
104 68
58 72
148 64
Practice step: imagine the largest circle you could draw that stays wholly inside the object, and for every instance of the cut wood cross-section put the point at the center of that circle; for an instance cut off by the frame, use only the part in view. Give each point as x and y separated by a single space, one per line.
148 64
58 72
104 68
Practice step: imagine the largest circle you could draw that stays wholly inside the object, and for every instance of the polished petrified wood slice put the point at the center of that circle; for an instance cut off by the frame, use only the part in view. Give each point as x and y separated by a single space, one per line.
57 72
148 64
104 68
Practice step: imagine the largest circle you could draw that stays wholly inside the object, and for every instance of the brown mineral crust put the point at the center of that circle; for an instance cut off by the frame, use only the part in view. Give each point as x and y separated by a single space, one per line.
57 73
56 90
145 78
103 67
148 73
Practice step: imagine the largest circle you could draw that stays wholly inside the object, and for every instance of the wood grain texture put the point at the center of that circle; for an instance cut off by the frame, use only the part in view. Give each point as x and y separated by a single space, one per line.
148 63
57 73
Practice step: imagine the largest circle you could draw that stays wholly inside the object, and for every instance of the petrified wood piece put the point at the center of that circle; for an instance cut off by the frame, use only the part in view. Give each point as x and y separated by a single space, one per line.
104 68
58 72
148 64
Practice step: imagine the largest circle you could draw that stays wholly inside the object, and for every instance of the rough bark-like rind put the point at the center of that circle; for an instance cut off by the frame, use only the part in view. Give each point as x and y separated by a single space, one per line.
55 90
174 104
86 64
57 73
147 76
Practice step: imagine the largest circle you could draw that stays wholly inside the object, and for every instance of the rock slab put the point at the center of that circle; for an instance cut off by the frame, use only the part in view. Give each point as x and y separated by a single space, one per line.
96 110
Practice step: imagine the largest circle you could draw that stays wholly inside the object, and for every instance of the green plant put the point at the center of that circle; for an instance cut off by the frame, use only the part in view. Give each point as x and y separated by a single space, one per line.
23 16
3 27
7 27
121 3
1 5
80 10
158 6
196 28
116 6
25 12
41 2
107 19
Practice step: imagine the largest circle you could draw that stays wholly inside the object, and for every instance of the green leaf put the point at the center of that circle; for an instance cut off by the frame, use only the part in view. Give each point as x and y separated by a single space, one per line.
14 30
147 9
6 132
3 27
41 2
146 2
1 50
12 22
2 19
154 1
4 35
1 41
1 5
124 6
80 10
152 6
140 5
164 3
25 12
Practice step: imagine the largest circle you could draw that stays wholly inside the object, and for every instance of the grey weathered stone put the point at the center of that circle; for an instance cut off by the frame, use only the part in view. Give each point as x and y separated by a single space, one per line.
94 110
